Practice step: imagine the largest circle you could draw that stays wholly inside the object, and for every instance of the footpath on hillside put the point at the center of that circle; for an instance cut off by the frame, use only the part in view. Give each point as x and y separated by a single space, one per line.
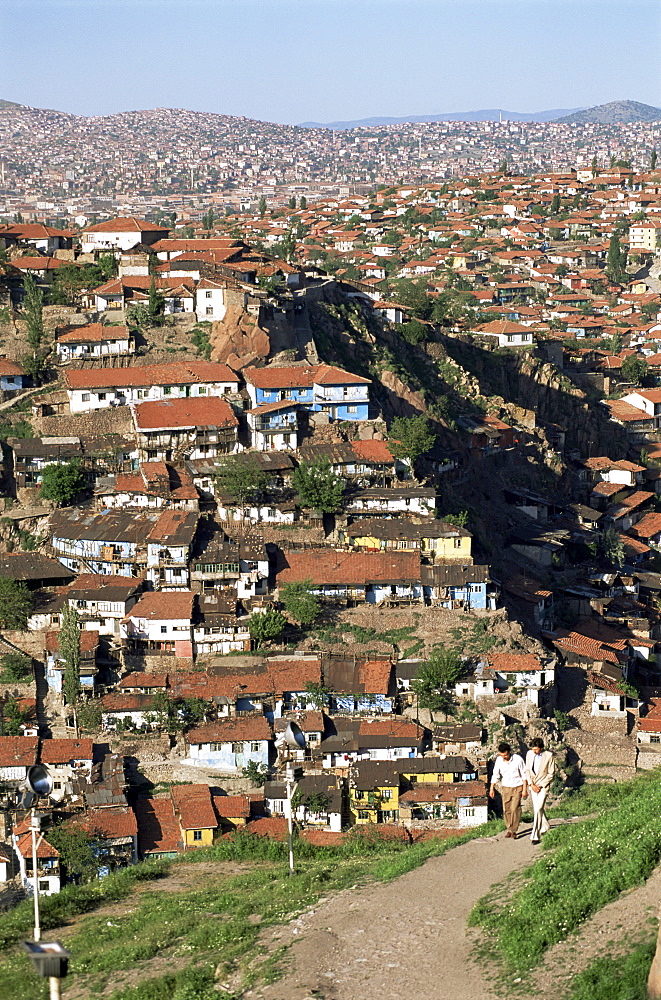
406 938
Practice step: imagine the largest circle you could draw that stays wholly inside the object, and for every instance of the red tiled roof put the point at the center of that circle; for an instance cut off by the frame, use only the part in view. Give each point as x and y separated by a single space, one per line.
39 263
158 829
391 727
93 333
194 805
244 728
514 662
115 821
44 849
232 806
10 367
648 526
200 411
144 680
372 451
64 750
273 377
274 827
89 641
328 566
126 224
161 605
18 751
174 373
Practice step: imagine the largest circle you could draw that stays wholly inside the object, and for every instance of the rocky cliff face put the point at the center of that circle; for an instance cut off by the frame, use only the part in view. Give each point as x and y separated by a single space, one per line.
238 340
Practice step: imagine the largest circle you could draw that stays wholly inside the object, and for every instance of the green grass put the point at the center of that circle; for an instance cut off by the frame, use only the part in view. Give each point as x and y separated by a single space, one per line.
585 866
615 978
212 924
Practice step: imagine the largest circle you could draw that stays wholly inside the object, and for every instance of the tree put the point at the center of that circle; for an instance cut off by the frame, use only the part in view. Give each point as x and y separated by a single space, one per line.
616 260
653 159
33 309
634 369
318 487
612 547
155 304
304 202
292 201
241 477
261 207
594 166
441 672
79 852
15 604
15 667
69 646
266 626
89 716
555 204
410 437
300 602
62 483
14 717
257 774
318 694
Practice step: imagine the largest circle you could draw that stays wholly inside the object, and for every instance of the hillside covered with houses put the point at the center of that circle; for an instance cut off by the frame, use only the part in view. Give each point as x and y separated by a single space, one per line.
387 468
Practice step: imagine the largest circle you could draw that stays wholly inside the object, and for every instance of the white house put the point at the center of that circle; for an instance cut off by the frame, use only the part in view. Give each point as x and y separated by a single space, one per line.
94 340
121 233
524 673
405 500
48 863
507 334
99 388
210 300
161 621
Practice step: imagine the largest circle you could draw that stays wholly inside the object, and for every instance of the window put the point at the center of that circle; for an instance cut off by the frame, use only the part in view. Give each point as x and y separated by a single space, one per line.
655 739
469 812
197 835
57 785
254 747
215 747
202 391
44 885
167 390
237 747
457 543
209 310
208 295
102 395
85 397
363 814
386 793
352 409
164 629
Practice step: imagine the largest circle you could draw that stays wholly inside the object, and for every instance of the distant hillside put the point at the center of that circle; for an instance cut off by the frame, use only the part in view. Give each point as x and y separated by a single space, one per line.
9 104
490 115
615 111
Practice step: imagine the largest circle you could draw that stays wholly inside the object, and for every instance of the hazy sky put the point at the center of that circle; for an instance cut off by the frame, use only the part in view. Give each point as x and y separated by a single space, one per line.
299 60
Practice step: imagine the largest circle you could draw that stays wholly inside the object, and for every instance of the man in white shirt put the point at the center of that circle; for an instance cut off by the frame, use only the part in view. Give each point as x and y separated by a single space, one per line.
510 771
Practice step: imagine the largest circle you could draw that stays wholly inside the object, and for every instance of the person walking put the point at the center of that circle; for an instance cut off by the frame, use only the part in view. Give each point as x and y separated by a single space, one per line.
540 768
510 771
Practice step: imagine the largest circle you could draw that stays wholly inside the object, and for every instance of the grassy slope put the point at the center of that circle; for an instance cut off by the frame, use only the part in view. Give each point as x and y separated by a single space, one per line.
585 865
195 932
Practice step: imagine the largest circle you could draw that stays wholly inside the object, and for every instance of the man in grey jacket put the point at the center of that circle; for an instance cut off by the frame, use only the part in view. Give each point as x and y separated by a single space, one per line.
540 768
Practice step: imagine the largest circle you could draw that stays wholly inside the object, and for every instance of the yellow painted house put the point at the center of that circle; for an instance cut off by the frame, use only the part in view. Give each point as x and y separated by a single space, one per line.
374 793
436 540
426 770
195 813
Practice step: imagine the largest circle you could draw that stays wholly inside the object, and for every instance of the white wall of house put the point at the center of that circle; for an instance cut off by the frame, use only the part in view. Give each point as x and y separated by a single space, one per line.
101 398
211 304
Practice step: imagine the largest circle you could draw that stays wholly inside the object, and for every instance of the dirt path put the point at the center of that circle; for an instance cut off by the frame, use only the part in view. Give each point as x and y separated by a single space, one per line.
406 938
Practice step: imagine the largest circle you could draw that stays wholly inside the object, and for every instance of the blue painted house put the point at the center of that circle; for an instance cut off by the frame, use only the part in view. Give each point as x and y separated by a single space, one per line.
55 665
12 376
319 388
231 744
459 586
